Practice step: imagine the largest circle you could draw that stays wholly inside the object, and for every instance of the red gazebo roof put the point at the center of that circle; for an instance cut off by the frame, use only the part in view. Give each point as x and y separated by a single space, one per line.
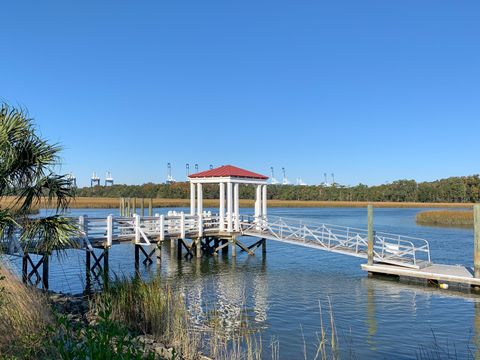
228 171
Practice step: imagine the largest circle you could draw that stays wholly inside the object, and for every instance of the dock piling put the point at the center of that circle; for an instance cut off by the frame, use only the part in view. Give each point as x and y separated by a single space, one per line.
150 207
45 272
159 253
233 243
199 247
476 250
120 207
88 275
370 235
142 206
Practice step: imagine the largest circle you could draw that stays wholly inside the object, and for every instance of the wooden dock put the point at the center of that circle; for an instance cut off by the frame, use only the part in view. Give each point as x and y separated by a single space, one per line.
439 273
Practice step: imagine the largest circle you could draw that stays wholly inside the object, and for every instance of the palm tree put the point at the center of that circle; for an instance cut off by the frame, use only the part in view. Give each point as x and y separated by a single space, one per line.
27 181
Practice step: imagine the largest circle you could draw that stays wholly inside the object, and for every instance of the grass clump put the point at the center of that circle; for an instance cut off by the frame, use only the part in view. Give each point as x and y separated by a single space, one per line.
463 218
25 318
151 308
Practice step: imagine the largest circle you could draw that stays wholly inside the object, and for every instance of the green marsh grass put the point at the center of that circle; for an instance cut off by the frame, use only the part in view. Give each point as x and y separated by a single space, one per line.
462 218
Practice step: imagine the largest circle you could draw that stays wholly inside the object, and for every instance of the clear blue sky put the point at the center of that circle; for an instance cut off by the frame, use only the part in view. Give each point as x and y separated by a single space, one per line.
371 90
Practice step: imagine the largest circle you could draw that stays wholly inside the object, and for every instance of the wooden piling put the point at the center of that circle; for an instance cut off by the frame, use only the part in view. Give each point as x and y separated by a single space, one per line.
142 206
128 214
121 206
88 275
159 253
150 207
134 210
105 267
25 268
370 235
233 242
264 247
225 248
199 247
45 272
476 241
137 259
179 249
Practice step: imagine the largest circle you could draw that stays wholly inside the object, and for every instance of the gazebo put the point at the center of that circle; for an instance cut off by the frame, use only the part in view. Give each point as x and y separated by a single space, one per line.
229 178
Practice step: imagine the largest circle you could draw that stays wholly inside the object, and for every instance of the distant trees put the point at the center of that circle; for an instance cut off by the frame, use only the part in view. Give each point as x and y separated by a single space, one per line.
454 189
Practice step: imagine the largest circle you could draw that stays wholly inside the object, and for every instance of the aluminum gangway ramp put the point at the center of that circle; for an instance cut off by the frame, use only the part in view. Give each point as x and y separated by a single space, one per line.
388 248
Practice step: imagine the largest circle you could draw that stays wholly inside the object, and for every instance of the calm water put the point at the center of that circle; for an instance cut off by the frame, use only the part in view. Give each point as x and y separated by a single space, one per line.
280 295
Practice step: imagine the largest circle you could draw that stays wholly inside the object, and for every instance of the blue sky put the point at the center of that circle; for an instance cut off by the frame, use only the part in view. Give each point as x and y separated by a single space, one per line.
373 91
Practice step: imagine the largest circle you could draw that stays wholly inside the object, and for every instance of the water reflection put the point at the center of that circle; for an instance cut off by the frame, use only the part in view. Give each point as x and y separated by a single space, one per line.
371 320
235 301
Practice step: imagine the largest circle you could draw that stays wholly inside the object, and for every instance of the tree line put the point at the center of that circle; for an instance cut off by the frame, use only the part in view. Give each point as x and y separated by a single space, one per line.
450 190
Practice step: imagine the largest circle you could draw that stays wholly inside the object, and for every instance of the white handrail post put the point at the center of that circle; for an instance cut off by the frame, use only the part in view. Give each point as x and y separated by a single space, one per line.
182 225
157 221
162 227
83 221
136 219
109 230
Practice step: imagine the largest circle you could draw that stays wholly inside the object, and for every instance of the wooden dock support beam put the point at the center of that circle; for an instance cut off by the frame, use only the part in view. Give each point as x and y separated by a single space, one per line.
233 242
137 259
371 235
142 206
179 249
28 275
25 268
476 241
105 266
88 274
150 207
45 272
225 248
264 247
198 244
159 253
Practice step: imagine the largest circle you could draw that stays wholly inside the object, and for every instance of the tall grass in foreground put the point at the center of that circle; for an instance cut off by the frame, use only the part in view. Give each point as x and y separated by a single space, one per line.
155 308
151 308
25 317
445 218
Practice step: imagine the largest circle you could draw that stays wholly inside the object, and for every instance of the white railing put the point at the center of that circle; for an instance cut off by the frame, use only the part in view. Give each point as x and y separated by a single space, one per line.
389 248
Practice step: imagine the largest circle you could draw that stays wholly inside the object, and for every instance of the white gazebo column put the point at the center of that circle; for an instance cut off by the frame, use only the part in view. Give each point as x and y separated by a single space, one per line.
229 207
264 202
258 203
222 206
237 206
192 198
199 199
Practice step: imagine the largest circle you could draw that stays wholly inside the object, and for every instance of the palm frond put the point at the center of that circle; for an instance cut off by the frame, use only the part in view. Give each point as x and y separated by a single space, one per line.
52 188
27 164
49 233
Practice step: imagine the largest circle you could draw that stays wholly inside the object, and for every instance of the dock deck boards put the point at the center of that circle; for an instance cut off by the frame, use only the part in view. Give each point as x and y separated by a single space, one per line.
443 273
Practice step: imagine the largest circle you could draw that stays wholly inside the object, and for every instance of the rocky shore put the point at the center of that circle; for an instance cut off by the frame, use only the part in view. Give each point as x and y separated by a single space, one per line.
76 309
